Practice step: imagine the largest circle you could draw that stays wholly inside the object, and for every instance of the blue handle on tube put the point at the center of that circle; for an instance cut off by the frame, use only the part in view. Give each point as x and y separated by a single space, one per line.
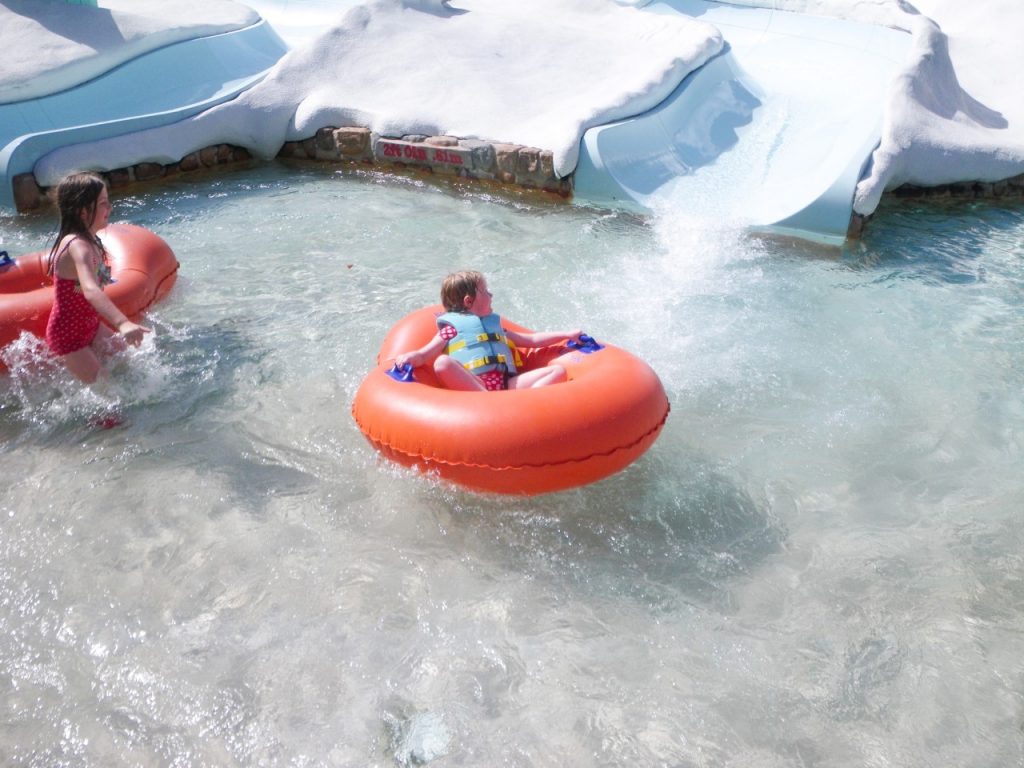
403 374
586 344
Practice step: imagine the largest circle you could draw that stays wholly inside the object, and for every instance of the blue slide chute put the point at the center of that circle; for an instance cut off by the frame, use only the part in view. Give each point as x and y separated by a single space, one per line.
774 133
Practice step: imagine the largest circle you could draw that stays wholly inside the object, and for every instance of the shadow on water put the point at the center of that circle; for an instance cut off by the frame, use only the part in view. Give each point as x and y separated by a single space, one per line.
962 232
657 534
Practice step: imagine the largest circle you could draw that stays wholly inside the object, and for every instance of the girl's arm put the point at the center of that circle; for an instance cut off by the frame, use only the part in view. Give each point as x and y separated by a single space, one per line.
424 354
82 254
541 338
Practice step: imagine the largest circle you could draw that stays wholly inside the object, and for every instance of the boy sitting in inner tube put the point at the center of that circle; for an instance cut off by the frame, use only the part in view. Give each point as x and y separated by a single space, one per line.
478 354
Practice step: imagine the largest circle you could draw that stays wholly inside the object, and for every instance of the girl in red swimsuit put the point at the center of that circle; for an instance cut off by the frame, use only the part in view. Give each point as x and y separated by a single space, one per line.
467 292
79 267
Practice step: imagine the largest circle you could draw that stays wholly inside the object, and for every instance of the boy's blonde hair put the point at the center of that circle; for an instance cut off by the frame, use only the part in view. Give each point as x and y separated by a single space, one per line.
456 287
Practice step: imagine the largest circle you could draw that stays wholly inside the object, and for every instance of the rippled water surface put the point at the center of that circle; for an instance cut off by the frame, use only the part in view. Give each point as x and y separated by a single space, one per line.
818 563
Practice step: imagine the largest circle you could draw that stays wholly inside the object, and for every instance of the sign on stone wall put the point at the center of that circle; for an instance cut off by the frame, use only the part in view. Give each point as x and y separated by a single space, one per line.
419 153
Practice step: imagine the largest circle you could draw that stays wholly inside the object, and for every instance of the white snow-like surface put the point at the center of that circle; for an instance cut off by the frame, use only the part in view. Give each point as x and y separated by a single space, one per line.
49 46
300 21
532 72
956 113
539 72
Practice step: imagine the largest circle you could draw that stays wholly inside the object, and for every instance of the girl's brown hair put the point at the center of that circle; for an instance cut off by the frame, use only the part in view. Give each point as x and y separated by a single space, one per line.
76 193
456 287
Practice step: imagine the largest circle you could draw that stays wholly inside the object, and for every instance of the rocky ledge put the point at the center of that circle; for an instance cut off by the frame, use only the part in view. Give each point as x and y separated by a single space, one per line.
517 166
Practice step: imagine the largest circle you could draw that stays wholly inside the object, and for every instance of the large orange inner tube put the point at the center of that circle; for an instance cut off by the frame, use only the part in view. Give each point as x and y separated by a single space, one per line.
142 264
532 441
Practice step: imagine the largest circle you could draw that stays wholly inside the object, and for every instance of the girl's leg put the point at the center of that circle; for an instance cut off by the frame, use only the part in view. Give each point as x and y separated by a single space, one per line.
83 363
454 376
86 363
540 377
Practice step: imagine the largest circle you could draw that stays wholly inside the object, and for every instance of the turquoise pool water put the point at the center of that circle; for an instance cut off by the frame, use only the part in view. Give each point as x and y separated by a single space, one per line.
818 563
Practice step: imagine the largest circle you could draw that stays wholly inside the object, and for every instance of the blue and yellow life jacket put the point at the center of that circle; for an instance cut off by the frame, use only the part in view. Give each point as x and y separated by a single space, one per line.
481 344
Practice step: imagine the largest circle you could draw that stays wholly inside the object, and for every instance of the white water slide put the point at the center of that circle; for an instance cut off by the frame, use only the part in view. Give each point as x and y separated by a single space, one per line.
773 133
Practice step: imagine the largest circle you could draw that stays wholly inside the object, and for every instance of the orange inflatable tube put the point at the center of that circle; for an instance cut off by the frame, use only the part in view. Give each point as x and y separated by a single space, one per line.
526 442
142 264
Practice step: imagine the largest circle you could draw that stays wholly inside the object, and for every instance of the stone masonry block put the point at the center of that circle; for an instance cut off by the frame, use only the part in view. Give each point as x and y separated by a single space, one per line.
208 156
291 149
119 177
401 151
528 162
449 159
506 157
326 147
483 156
148 171
353 142
28 196
547 163
190 162
441 141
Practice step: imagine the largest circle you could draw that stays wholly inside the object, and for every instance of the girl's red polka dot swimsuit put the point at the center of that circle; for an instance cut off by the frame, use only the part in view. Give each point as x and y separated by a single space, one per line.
73 320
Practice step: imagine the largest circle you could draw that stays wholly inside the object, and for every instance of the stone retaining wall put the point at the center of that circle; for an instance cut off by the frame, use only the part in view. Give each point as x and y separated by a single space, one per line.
514 165
962 190
29 196
966 190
